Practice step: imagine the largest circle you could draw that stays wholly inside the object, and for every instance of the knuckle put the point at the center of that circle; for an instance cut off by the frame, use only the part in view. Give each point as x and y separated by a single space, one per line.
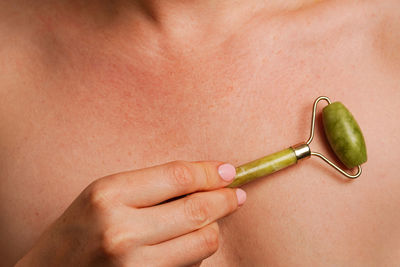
230 199
180 174
98 194
108 242
114 242
210 239
209 179
197 210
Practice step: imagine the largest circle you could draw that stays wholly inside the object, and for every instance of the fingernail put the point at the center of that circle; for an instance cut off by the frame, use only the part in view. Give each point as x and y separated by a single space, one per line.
227 171
241 196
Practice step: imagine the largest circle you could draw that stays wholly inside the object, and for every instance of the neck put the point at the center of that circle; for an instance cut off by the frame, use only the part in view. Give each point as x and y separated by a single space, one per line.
179 16
184 15
178 22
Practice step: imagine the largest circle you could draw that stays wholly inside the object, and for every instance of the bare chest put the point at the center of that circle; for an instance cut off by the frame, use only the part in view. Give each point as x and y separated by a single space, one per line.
106 115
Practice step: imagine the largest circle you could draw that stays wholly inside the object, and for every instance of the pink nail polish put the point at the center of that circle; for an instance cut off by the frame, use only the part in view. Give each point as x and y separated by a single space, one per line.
241 196
227 172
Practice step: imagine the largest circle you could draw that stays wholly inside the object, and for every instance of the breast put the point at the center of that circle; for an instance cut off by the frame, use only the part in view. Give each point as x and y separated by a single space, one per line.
307 213
310 215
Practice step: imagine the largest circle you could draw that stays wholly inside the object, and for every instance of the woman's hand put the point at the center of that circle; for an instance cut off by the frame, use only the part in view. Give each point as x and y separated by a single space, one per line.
126 220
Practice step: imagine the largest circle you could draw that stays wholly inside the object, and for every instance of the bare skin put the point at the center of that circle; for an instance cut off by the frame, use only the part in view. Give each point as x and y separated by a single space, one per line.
89 92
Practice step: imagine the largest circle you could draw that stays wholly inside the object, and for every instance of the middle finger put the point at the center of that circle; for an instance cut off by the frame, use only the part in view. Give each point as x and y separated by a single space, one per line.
190 213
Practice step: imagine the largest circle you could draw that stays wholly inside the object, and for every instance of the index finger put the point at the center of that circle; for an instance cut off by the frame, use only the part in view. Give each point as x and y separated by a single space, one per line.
150 186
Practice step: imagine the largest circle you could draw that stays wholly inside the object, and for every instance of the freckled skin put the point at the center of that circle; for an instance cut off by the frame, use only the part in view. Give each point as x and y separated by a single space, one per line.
86 104
344 135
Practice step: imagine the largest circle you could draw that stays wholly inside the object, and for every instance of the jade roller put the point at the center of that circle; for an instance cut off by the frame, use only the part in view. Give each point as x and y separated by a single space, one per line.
343 134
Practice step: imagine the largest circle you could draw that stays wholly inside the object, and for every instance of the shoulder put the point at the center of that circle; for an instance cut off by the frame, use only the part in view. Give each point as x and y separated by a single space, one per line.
20 64
15 32
386 33
362 31
21 48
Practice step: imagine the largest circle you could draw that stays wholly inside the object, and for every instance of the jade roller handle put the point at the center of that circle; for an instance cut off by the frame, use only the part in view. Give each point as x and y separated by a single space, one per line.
269 164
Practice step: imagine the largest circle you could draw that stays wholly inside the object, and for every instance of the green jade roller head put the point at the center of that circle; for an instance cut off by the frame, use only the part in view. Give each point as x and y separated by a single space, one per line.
343 134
